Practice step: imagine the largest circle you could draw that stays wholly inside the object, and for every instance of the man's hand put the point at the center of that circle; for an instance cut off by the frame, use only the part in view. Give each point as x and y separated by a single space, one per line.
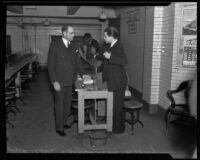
57 86
107 55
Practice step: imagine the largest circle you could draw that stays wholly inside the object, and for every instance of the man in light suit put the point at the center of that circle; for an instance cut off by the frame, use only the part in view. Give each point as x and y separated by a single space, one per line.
63 64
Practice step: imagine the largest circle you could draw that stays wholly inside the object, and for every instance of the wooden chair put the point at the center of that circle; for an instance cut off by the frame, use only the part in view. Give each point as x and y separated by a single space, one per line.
179 110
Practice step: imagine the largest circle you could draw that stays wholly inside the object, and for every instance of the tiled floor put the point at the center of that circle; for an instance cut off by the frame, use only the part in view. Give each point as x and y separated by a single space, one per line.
34 131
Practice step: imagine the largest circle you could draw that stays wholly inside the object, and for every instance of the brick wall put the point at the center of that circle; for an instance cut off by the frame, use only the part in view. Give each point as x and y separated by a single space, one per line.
156 54
167 54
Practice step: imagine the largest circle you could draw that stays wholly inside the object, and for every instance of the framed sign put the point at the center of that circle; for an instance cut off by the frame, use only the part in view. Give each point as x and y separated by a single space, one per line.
189 51
132 18
187 56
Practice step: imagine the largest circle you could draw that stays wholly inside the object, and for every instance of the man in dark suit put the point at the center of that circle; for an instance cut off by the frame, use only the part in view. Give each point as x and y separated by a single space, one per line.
115 76
63 64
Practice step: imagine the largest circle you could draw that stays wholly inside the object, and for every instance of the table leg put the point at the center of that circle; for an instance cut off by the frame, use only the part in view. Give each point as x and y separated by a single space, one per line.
30 68
18 84
81 116
109 111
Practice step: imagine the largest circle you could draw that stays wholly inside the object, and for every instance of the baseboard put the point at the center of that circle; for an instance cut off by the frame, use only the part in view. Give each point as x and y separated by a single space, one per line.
134 92
151 108
154 108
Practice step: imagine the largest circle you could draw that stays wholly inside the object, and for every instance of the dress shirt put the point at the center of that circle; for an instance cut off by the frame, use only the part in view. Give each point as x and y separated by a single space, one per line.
66 42
113 43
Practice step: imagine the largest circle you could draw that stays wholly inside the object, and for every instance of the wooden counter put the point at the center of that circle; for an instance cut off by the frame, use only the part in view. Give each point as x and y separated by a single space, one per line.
12 71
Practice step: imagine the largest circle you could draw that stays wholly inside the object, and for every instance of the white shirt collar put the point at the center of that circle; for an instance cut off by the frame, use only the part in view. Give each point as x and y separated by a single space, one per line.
66 42
112 44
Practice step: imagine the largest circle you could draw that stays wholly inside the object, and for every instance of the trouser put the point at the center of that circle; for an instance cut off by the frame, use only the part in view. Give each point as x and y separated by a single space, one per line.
62 106
118 113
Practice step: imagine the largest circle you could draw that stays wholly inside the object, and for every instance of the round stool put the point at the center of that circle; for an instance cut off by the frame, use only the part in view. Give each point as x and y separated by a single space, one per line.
132 107
10 98
27 73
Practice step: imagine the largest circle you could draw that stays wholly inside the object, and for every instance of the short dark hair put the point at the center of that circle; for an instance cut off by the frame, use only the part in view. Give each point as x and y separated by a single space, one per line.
87 35
112 31
95 44
65 27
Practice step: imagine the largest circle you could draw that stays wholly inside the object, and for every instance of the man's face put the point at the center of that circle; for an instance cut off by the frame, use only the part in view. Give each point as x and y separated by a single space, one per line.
107 39
93 50
69 34
85 48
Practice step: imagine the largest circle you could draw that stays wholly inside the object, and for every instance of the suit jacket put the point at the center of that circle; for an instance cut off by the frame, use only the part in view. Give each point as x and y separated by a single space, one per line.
113 71
63 63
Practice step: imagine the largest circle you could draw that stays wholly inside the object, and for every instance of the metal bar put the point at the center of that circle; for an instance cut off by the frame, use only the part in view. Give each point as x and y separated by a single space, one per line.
61 17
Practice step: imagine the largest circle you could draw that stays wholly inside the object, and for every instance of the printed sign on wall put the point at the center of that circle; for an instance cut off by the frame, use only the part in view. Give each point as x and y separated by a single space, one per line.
190 50
132 18
189 35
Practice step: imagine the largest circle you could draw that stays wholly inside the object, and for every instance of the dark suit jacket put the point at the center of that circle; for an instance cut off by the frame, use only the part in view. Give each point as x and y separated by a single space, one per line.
63 63
113 71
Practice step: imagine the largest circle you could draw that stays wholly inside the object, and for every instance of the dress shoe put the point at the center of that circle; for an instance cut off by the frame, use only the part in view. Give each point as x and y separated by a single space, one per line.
61 133
67 126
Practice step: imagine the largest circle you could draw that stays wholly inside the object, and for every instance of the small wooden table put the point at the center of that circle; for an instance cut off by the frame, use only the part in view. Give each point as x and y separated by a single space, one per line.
93 92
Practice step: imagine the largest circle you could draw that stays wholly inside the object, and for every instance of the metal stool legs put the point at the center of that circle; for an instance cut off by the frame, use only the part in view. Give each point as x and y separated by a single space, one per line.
7 117
134 119
138 119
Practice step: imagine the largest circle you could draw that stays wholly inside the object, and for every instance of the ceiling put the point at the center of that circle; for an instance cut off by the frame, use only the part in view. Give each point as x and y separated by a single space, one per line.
71 10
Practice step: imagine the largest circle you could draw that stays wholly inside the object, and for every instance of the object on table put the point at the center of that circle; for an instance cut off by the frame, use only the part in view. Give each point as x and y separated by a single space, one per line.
87 79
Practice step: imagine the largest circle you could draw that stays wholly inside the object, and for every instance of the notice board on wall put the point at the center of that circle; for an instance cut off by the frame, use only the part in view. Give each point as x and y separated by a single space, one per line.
132 18
189 35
